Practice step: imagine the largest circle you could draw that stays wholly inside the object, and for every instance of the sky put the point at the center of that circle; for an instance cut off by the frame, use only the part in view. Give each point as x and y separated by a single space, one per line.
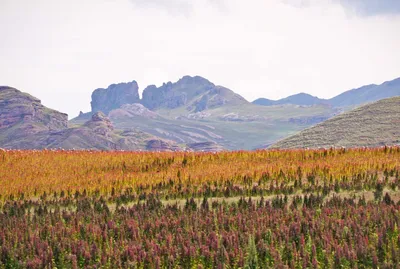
60 51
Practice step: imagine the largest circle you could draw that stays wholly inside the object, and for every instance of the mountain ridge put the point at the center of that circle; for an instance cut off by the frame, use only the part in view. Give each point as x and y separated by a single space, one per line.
347 99
192 113
302 98
185 110
195 111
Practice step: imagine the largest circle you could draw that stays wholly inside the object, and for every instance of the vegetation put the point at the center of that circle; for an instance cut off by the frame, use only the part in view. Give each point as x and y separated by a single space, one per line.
328 208
372 125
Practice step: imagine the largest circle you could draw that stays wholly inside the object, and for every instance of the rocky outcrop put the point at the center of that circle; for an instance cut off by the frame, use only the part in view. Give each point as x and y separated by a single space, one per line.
97 133
115 96
164 96
21 108
100 124
196 93
26 124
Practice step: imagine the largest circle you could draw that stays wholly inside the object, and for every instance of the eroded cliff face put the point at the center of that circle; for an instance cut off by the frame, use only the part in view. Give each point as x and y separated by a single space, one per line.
194 93
115 96
17 108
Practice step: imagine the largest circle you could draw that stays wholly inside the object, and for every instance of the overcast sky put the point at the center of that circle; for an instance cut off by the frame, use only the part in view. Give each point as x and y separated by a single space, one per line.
60 51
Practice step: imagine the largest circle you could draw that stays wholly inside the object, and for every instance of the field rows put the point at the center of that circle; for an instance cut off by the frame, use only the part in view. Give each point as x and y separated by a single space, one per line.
335 208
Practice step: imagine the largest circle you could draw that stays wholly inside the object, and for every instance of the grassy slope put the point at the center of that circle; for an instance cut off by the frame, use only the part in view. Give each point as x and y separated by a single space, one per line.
374 124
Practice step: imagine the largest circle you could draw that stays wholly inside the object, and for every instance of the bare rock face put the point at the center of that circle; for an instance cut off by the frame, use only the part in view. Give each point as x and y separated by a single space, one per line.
164 96
195 93
100 124
21 108
97 134
115 96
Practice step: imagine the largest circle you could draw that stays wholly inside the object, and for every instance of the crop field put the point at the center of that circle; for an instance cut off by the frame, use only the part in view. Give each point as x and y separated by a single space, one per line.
327 208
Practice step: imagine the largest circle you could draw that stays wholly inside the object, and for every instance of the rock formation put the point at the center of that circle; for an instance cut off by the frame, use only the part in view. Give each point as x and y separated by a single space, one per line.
21 108
26 124
196 93
115 96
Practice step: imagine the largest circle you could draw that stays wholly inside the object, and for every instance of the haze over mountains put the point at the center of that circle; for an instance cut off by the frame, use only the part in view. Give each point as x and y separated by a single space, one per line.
348 99
190 114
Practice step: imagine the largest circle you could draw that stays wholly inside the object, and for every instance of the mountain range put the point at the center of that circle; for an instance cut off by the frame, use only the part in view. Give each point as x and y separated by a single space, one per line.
346 100
194 110
190 114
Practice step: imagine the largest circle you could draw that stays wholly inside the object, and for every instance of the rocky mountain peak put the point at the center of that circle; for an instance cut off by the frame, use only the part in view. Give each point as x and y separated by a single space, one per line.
196 93
115 96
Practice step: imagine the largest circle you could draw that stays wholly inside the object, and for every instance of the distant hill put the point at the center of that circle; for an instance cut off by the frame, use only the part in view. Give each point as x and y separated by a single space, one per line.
302 99
371 125
22 115
264 102
367 94
347 100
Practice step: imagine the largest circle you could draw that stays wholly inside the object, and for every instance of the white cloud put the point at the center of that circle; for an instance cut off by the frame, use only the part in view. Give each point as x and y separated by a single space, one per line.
60 51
